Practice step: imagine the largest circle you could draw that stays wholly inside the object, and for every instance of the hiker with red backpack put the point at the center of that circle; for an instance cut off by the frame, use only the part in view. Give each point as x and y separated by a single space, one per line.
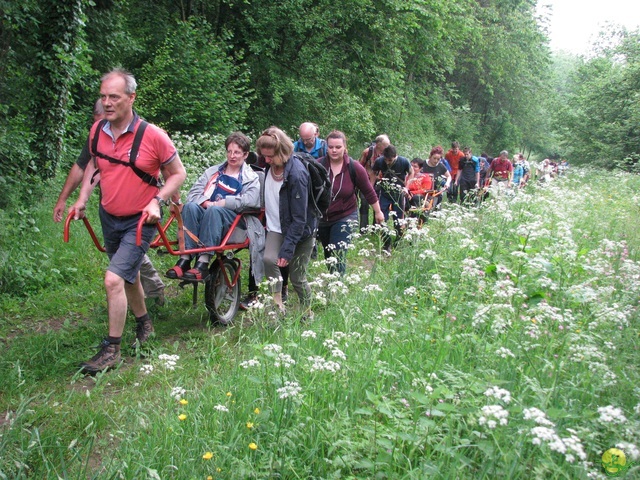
347 178
130 188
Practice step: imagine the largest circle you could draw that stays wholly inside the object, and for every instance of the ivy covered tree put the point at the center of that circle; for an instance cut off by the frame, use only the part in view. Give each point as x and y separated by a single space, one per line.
60 46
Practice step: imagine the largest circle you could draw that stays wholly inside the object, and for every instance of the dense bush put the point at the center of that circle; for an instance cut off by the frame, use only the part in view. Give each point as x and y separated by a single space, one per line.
193 83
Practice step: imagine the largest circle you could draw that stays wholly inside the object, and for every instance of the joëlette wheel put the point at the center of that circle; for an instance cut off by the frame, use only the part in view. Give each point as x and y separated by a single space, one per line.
221 300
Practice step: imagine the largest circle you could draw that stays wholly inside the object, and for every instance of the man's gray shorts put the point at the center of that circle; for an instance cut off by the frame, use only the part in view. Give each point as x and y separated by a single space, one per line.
120 242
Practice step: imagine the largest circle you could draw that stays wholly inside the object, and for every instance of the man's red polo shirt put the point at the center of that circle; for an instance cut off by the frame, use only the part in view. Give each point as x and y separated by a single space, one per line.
123 192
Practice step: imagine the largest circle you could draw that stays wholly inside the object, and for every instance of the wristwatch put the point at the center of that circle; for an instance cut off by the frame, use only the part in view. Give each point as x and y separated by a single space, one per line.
161 202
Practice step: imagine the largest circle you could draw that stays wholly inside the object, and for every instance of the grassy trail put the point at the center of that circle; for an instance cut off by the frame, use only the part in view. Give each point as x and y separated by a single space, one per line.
500 342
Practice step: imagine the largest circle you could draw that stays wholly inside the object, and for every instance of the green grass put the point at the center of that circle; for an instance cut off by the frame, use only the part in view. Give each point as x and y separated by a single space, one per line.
535 294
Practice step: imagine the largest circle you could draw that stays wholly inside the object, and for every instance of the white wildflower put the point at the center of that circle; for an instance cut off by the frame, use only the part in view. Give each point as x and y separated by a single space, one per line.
178 392
308 334
336 352
504 352
410 291
284 360
169 361
630 450
498 393
537 416
611 414
289 390
272 347
250 363
492 415
320 364
372 288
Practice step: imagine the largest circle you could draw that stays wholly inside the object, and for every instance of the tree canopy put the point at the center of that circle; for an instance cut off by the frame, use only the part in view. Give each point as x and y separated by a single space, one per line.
423 71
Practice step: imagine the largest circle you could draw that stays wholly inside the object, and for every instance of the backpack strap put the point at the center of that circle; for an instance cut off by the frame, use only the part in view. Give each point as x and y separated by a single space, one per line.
370 154
133 155
323 148
352 172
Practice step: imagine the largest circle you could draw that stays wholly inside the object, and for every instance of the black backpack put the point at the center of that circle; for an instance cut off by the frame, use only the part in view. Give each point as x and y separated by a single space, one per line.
133 154
319 184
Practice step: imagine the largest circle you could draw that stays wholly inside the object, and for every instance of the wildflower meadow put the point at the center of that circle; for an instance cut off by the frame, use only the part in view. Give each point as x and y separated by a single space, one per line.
498 341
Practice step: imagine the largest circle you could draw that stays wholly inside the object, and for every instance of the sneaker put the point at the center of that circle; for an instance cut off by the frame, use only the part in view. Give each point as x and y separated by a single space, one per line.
144 330
285 293
244 304
107 357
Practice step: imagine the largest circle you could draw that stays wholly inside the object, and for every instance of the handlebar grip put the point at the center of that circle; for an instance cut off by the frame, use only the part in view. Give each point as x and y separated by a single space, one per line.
141 222
67 222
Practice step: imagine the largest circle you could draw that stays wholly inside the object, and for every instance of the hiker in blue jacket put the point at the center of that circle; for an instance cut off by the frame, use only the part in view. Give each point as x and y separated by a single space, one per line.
291 224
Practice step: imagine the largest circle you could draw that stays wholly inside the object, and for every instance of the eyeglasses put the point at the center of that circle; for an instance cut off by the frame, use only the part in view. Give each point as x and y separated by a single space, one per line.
235 153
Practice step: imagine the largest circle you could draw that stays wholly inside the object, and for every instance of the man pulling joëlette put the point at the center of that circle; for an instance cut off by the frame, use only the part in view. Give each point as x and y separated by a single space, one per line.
125 197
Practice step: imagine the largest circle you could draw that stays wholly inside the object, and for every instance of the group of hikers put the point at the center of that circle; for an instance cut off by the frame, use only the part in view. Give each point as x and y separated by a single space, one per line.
127 156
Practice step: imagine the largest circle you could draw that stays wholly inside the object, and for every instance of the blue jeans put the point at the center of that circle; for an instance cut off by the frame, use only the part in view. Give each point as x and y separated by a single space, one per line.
397 205
210 225
335 239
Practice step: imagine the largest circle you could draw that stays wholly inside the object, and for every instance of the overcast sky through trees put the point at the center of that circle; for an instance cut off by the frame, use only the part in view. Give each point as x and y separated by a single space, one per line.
576 23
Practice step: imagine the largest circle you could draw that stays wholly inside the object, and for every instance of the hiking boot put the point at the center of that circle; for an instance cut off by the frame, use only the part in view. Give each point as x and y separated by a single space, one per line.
107 357
144 330
246 302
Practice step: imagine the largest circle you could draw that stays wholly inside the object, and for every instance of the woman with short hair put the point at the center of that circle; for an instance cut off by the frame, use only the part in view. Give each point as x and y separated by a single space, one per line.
220 194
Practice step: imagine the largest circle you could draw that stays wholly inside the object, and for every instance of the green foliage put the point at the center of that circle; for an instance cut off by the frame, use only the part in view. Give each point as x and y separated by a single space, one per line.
60 45
630 163
193 84
32 255
198 152
423 71
599 114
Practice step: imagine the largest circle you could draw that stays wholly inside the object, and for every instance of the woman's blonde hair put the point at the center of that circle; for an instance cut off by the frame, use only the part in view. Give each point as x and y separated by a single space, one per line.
276 139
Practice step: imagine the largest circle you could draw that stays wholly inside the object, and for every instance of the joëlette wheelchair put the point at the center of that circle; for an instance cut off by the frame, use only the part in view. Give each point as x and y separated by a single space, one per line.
223 287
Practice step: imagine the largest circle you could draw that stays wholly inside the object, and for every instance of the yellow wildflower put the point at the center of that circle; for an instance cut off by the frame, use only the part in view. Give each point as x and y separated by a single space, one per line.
182 416
253 446
249 424
229 394
257 411
209 477
207 456
183 401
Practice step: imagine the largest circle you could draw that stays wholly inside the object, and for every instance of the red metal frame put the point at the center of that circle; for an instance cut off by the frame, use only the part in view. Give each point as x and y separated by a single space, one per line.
162 240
